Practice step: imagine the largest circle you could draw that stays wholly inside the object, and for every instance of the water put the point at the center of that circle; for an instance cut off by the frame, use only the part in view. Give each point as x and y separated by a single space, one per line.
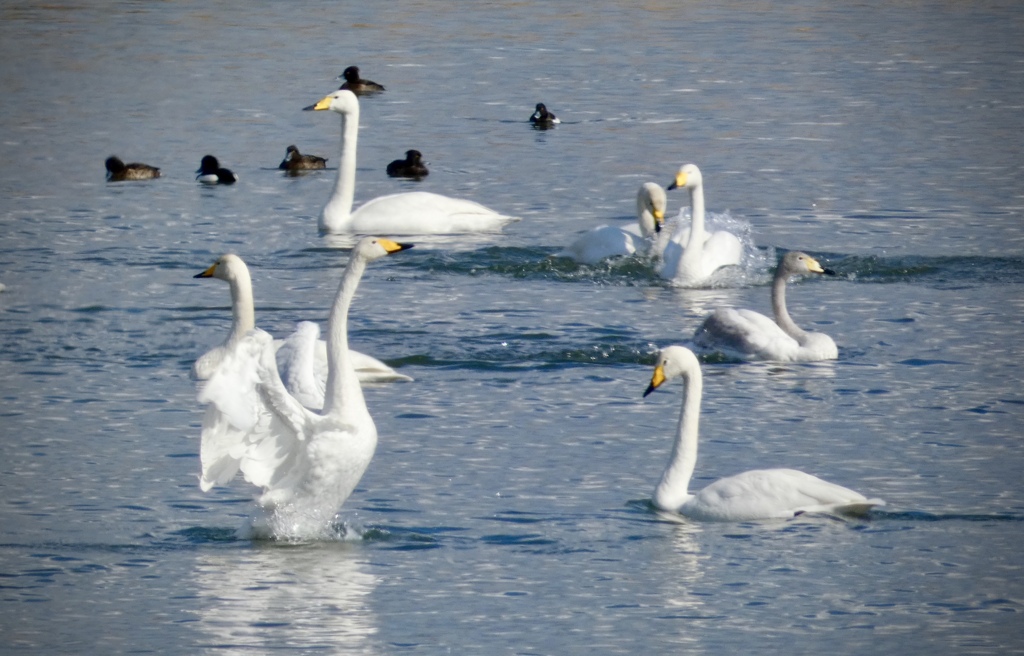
505 510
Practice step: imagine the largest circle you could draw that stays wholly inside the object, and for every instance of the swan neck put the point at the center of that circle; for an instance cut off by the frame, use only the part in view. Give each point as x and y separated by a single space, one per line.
696 215
339 206
673 489
343 389
779 307
243 308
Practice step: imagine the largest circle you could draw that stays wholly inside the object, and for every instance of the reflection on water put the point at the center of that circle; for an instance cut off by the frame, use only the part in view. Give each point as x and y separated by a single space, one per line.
312 596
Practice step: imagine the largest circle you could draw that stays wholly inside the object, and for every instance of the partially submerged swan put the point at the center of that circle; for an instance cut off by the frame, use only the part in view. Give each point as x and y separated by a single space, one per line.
693 254
749 335
751 495
606 241
410 213
305 462
302 357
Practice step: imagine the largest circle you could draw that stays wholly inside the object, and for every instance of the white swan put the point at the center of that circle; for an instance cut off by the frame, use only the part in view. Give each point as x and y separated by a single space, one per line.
412 213
306 462
693 254
751 495
301 358
606 241
749 335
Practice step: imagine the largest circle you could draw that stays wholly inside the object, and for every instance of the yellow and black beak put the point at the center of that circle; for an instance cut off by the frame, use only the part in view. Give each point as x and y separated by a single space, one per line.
659 219
656 380
680 181
208 273
393 246
325 103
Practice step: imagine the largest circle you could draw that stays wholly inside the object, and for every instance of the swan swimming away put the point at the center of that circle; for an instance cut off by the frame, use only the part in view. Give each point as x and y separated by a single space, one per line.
692 255
605 241
305 462
411 213
751 495
301 358
749 335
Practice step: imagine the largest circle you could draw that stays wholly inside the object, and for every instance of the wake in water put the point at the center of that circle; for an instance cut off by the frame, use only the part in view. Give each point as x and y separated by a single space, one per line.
754 265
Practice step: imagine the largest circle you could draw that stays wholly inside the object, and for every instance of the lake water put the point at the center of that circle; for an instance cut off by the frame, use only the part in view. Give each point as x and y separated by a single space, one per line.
506 509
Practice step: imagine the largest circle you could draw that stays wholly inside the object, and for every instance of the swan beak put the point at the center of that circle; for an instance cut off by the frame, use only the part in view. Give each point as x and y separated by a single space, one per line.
814 267
208 273
320 106
680 181
656 380
392 246
659 219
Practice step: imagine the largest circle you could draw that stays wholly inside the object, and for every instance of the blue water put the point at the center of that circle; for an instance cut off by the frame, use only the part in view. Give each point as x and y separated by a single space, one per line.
506 508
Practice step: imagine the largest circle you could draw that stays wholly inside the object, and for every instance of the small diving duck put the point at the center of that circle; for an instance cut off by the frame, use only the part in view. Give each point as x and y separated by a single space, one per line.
295 161
210 172
542 118
358 85
410 167
118 171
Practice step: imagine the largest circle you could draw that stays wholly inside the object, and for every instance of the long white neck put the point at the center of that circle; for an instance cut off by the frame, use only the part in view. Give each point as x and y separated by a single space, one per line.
672 490
343 389
779 307
696 242
339 206
243 309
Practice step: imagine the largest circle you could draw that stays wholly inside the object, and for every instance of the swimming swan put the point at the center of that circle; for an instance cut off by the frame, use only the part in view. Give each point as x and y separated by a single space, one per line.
751 495
411 213
611 241
749 335
306 462
693 254
301 358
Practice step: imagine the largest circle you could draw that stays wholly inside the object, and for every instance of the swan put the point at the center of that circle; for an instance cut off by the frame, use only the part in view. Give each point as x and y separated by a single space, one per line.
749 335
118 171
301 358
358 85
611 241
410 213
751 495
542 118
693 254
295 161
306 462
211 172
410 167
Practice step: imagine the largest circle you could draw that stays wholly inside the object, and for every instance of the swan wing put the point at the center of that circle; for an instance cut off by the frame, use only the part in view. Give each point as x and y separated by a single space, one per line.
772 494
421 212
721 249
601 243
297 363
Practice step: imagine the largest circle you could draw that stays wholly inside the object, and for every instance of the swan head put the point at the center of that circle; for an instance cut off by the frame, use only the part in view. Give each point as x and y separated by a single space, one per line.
227 267
651 198
673 362
687 177
798 263
341 101
374 248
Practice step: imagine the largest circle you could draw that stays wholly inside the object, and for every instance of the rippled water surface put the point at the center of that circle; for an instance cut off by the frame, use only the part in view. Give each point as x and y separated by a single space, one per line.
506 508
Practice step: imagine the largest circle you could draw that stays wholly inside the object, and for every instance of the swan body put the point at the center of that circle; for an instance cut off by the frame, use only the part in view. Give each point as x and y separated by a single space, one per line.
693 254
118 171
301 358
211 172
749 335
358 85
296 161
411 213
306 462
751 495
410 167
605 241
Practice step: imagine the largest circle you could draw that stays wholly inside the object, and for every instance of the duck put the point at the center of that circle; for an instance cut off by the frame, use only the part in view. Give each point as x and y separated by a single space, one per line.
604 242
301 357
542 118
758 494
305 463
409 213
358 85
750 335
118 171
410 167
210 172
295 161
692 255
